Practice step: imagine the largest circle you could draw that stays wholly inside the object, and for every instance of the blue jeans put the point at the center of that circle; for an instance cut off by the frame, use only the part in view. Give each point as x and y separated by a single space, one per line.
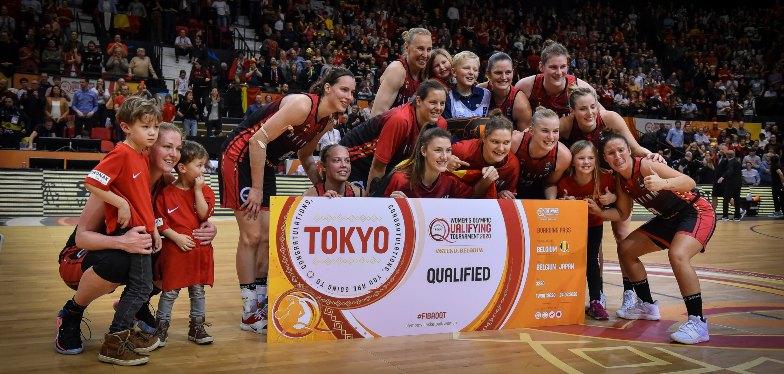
190 126
137 292
166 302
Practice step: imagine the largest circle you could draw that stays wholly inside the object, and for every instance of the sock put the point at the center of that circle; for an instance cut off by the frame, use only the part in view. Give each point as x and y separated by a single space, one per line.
694 305
627 285
73 308
248 293
250 286
261 289
643 290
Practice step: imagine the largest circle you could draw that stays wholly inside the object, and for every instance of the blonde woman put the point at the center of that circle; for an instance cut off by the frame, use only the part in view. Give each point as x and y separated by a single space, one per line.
401 78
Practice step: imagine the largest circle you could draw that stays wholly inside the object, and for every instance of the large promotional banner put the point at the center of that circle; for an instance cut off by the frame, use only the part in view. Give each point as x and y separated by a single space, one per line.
372 267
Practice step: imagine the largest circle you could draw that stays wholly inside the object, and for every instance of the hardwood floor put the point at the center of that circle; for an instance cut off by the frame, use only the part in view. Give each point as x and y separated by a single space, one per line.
746 312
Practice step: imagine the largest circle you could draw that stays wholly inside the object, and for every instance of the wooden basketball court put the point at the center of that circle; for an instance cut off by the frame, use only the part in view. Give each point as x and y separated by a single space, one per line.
742 275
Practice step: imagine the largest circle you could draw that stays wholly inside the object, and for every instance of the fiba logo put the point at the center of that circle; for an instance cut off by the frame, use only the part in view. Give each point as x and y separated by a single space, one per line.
547 214
548 314
439 230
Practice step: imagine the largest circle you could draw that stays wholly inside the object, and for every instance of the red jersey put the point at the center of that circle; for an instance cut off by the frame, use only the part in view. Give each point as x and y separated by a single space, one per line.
664 203
321 190
125 172
470 151
409 88
567 184
446 186
168 112
389 137
507 106
175 209
284 146
558 102
596 137
534 170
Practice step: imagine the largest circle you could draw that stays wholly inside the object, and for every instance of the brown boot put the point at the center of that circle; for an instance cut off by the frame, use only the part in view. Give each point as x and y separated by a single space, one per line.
117 349
196 332
143 343
162 331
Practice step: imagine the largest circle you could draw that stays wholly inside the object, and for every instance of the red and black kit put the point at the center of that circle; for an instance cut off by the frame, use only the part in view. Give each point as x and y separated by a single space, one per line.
470 151
559 102
321 190
676 212
409 88
568 186
596 136
507 106
533 171
235 181
446 186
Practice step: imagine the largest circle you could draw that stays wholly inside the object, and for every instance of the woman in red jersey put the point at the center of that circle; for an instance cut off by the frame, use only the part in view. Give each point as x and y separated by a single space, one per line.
543 159
335 168
684 222
424 173
439 67
401 78
290 125
487 160
550 88
509 99
585 181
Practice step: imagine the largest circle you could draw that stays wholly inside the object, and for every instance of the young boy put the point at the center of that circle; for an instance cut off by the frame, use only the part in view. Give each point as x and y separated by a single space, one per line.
179 209
122 181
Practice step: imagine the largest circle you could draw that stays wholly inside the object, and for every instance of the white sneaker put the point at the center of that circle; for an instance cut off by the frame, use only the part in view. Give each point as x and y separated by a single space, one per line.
692 332
629 299
256 322
641 310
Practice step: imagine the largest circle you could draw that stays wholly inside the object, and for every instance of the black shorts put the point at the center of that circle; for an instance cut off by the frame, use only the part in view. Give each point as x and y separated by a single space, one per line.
110 264
235 182
717 190
697 221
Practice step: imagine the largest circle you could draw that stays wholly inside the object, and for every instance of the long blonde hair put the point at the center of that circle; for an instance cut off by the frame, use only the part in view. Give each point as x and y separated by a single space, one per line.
578 147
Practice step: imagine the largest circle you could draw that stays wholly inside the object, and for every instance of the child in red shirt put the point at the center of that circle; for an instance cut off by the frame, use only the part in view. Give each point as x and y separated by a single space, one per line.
122 181
179 209
169 110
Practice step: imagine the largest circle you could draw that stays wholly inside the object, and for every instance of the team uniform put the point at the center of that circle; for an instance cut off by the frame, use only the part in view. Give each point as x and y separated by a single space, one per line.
676 212
235 182
389 137
470 151
533 171
409 88
321 190
446 185
596 136
175 209
477 104
559 102
507 106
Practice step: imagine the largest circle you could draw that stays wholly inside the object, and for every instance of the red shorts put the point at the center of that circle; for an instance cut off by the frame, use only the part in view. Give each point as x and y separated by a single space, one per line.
697 221
235 181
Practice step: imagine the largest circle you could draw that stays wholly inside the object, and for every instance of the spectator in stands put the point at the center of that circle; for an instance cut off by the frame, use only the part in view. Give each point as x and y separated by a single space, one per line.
103 95
274 76
44 130
731 181
222 10
308 75
714 132
57 109
199 51
752 158
93 59
182 85
689 109
84 106
117 65
751 177
156 22
8 61
254 77
168 111
258 103
12 124
182 46
742 132
701 138
51 58
33 104
117 44
201 80
141 66
188 111
7 23
72 62
777 180
214 113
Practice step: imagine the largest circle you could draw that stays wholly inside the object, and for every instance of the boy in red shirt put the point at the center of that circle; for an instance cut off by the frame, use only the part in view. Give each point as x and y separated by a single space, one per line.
169 110
179 209
122 181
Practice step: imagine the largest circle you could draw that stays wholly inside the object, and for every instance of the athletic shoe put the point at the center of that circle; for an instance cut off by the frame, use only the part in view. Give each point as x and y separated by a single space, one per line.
254 321
641 310
197 333
597 311
629 298
162 332
143 343
118 349
694 331
68 340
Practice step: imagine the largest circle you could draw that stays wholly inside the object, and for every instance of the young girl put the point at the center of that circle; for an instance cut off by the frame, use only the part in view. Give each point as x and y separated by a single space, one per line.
584 181
423 174
335 168
466 99
179 209
439 67
168 111
683 222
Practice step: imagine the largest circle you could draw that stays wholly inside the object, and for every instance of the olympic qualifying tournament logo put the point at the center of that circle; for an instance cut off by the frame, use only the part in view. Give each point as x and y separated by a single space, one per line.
439 230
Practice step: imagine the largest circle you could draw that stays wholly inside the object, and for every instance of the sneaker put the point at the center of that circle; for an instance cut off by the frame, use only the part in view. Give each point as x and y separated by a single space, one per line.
255 321
694 331
197 333
629 299
143 343
162 332
641 310
117 349
68 340
597 311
